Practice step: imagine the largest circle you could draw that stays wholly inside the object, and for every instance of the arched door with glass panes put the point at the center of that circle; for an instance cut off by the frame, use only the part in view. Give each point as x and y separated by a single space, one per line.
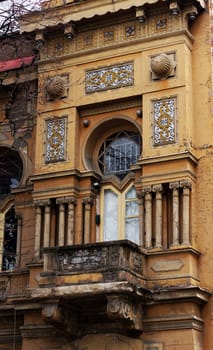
120 214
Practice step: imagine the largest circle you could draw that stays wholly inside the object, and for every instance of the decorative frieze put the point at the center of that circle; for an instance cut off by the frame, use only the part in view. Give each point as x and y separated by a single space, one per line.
107 78
115 34
164 123
55 140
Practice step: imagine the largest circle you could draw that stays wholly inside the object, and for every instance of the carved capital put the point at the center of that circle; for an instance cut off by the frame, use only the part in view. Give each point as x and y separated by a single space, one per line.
60 200
41 202
88 201
185 184
70 200
174 185
140 193
157 188
147 189
124 309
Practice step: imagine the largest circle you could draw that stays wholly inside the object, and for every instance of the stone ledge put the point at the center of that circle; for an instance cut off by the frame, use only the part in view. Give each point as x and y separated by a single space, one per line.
175 322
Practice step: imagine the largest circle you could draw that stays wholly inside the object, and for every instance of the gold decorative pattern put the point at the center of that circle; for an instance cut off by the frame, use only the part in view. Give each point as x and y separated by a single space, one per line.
112 77
55 142
164 121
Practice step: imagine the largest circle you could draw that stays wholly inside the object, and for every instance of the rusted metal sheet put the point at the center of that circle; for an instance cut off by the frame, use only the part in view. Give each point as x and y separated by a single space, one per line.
16 63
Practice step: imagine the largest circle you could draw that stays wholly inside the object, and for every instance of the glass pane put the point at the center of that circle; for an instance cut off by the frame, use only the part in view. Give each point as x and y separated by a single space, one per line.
132 208
110 216
131 214
132 230
131 194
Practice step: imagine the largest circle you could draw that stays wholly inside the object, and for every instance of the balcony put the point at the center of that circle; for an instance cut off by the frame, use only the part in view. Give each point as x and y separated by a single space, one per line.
92 285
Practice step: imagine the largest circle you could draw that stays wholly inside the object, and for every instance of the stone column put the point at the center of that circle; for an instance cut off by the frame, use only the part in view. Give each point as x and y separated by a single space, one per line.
175 215
61 226
140 195
186 185
18 240
158 219
37 244
70 219
46 204
46 231
88 203
148 216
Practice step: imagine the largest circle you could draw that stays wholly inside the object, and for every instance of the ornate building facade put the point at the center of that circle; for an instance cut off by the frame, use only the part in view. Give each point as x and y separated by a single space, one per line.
106 178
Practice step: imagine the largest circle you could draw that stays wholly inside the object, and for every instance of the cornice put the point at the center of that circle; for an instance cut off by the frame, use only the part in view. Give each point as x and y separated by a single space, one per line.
169 157
57 174
82 290
171 251
38 331
103 107
173 322
173 294
74 12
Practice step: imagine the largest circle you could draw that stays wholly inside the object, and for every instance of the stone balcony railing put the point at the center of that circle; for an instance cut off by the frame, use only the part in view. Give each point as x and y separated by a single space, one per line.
103 261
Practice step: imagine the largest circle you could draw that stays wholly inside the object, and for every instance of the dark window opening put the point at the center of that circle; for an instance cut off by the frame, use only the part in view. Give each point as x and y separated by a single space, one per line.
10 170
9 245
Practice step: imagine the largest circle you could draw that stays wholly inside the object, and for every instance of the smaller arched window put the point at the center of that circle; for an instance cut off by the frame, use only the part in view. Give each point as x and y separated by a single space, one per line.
118 153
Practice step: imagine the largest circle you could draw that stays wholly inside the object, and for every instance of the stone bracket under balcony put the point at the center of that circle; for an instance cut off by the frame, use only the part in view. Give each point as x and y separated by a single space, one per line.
100 313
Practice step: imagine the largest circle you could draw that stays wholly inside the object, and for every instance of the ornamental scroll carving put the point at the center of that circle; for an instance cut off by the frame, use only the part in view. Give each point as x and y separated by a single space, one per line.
122 308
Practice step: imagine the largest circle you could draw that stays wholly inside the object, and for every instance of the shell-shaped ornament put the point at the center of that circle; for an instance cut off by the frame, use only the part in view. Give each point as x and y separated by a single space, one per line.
55 87
162 66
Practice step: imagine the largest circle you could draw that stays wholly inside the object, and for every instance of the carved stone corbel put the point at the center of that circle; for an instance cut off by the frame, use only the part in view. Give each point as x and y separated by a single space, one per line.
62 316
123 309
51 312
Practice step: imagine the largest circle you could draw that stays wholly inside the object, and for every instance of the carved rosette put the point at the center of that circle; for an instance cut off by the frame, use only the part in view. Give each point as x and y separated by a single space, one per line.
55 87
162 66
